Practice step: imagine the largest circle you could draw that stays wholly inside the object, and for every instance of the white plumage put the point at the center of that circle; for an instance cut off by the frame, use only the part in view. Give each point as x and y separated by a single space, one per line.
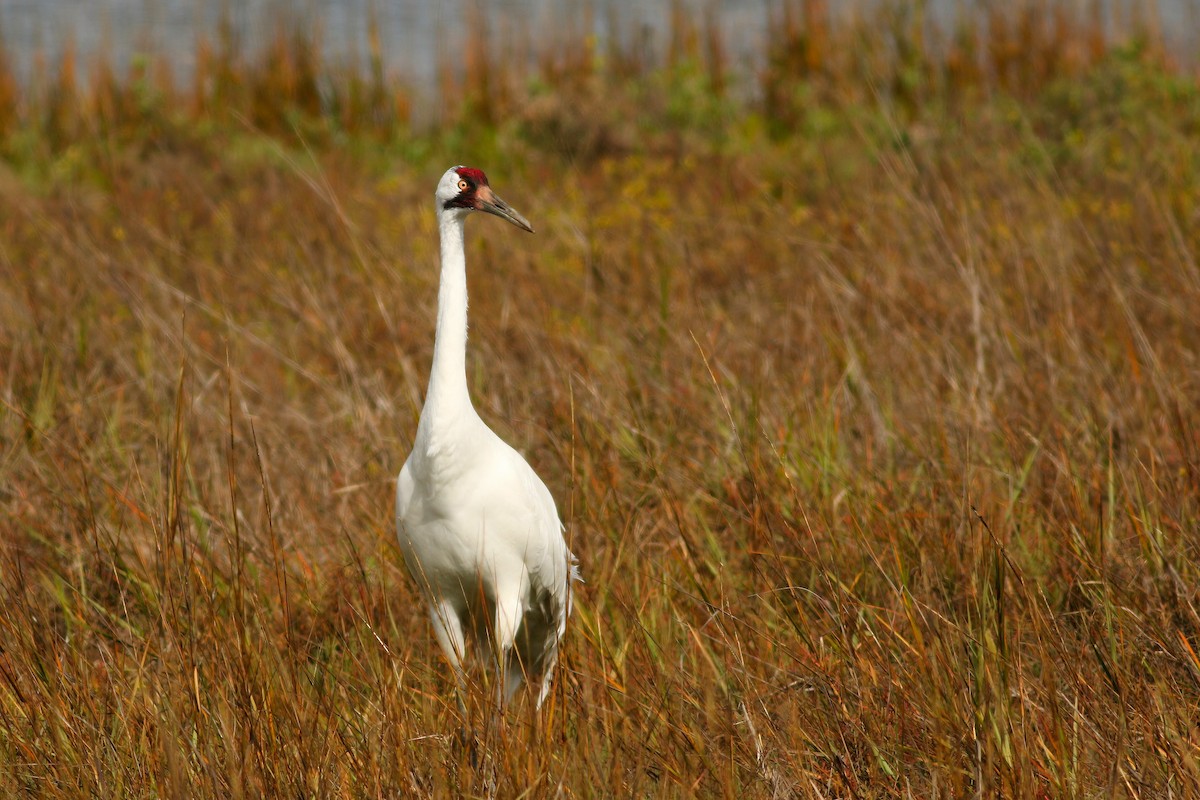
479 530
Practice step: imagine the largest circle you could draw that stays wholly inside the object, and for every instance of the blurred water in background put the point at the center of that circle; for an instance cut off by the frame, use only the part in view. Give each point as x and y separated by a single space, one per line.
414 33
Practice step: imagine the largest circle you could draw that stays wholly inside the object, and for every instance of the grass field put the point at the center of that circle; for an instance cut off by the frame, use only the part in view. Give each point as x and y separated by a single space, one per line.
867 386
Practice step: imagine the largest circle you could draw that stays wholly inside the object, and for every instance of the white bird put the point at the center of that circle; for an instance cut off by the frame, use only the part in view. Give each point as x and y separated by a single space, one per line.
479 530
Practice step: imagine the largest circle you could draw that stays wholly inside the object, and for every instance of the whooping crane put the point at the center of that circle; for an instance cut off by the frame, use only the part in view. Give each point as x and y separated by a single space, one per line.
478 528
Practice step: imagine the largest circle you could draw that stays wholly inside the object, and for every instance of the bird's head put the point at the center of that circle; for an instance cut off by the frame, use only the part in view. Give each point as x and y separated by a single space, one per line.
467 189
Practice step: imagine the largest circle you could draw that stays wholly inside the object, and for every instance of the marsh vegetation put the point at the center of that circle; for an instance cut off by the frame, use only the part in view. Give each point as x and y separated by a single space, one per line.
868 394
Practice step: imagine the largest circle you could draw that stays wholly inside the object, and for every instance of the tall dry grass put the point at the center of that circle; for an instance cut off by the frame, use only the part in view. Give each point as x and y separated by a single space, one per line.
871 411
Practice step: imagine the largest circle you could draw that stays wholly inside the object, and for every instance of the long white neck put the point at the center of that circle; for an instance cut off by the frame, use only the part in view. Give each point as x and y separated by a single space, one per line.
447 400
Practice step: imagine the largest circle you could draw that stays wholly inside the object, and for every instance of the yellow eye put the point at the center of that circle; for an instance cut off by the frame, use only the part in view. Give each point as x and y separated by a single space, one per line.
463 186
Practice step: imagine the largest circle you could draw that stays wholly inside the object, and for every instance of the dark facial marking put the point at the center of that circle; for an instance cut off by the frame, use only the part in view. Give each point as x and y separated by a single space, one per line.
469 179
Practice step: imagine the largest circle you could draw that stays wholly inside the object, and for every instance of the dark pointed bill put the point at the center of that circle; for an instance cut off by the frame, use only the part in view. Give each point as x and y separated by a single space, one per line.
488 201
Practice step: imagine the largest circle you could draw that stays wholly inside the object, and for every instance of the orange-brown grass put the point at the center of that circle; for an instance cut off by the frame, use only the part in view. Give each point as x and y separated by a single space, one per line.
874 424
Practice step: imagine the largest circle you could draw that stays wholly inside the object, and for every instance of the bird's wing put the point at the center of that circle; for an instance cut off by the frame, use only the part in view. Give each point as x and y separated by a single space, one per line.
546 545
551 565
551 569
404 493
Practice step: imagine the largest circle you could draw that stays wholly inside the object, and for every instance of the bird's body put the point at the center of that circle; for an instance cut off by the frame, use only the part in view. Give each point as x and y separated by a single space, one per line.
479 530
